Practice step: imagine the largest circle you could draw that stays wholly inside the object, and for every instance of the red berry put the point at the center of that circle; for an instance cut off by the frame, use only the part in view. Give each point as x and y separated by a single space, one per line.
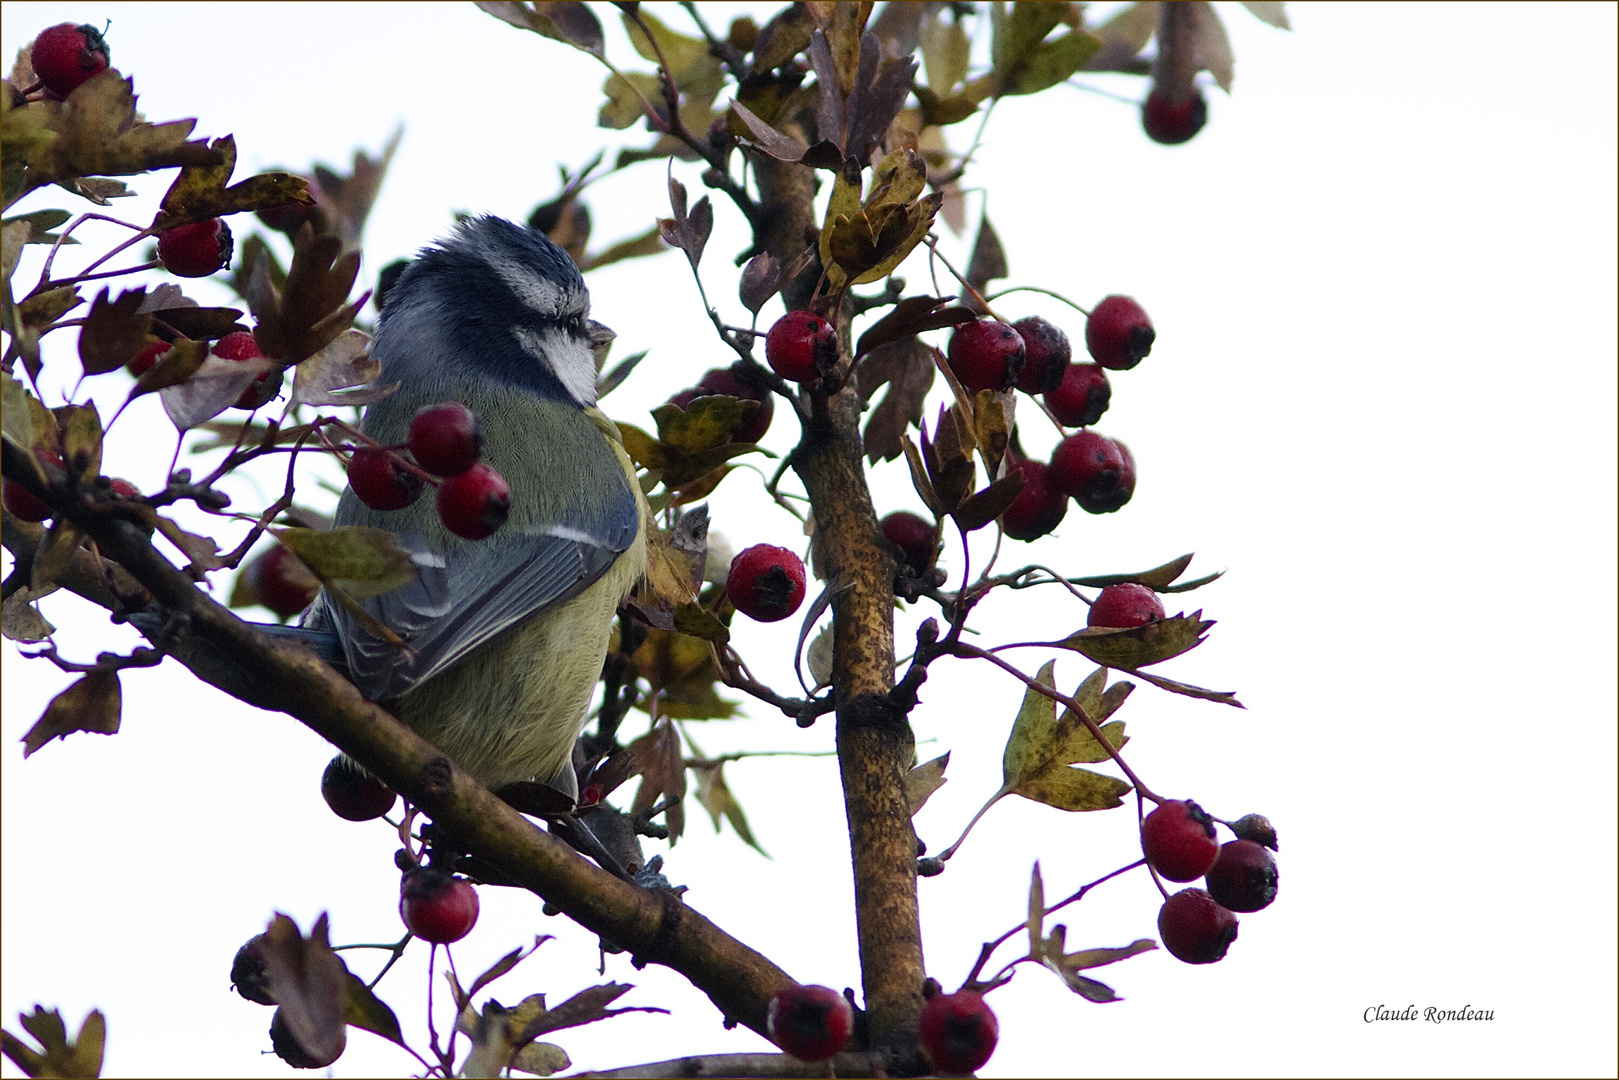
287 219
196 250
1118 333
1098 472
381 481
22 503
241 345
1172 123
123 488
1125 605
289 1049
354 794
957 1031
249 975
475 503
986 355
1243 878
766 583
1082 396
65 56
914 536
143 360
444 438
1195 929
1046 354
1178 840
285 584
801 346
1038 508
437 907
809 1022
731 382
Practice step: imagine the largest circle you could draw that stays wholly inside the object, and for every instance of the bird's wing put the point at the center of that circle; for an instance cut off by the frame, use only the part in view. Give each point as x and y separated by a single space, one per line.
482 589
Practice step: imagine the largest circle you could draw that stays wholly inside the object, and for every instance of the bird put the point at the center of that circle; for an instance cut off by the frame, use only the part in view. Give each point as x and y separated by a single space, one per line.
505 636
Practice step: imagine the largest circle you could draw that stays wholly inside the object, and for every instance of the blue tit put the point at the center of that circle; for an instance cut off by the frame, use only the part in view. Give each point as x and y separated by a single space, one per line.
506 638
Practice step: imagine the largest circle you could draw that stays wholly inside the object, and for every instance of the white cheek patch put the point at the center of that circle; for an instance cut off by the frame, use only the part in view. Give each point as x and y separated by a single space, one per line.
570 361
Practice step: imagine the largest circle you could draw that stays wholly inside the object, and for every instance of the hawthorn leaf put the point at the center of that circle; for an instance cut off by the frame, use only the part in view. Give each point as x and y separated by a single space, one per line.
761 279
309 982
363 1009
946 51
361 560
494 1033
1158 578
183 359
1273 12
663 773
203 191
40 223
786 35
209 389
922 781
1209 41
571 23
762 136
1035 763
20 620
1224 697
57 1054
907 367
54 554
1037 913
93 704
1053 62
919 478
1138 646
113 331
1124 36
585 1007
982 507
340 374
912 315
1073 789
717 798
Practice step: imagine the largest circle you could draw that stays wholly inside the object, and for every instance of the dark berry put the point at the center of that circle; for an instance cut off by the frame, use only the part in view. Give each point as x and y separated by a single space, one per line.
289 218
289 1049
285 585
1038 508
914 536
196 250
23 503
1256 827
1046 354
1243 878
1118 333
241 345
1194 928
729 382
957 1032
381 480
1082 397
475 503
1125 605
801 346
142 362
1172 123
766 583
986 355
444 438
1096 471
123 488
249 975
809 1022
65 56
437 907
354 794
1178 841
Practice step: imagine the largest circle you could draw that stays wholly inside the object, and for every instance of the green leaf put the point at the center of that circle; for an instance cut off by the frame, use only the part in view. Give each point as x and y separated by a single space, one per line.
1224 697
1158 577
40 223
363 1009
1054 62
1137 646
1073 789
57 1056
1037 913
360 560
717 799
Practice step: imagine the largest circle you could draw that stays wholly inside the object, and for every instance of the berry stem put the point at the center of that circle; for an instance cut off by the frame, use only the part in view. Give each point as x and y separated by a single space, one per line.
1046 292
989 947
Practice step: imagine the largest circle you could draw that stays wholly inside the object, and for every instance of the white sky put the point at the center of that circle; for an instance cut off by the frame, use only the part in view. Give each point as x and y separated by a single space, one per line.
1382 396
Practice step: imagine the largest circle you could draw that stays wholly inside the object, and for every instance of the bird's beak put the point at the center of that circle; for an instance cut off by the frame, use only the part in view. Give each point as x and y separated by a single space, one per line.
601 342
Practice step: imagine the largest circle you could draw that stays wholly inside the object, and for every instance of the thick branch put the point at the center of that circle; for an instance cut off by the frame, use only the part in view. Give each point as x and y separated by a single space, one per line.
653 926
875 743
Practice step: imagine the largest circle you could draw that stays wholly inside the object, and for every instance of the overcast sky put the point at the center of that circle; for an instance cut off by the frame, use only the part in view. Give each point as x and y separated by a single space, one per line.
1382 398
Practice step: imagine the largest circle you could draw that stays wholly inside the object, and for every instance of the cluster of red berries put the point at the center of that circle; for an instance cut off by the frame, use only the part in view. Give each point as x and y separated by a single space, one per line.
26 506
956 1032
1180 844
473 499
1035 357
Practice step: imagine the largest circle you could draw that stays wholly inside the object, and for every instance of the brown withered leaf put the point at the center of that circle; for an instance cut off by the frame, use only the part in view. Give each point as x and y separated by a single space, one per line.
907 367
57 1054
688 232
717 798
1224 697
922 781
663 773
309 983
204 191
570 22
207 389
93 704
912 315
988 261
114 331
919 477
40 223
348 199
766 138
184 359
760 280
494 1033
20 620
340 374
298 321
585 1007
1157 578
982 507
785 36
363 1009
